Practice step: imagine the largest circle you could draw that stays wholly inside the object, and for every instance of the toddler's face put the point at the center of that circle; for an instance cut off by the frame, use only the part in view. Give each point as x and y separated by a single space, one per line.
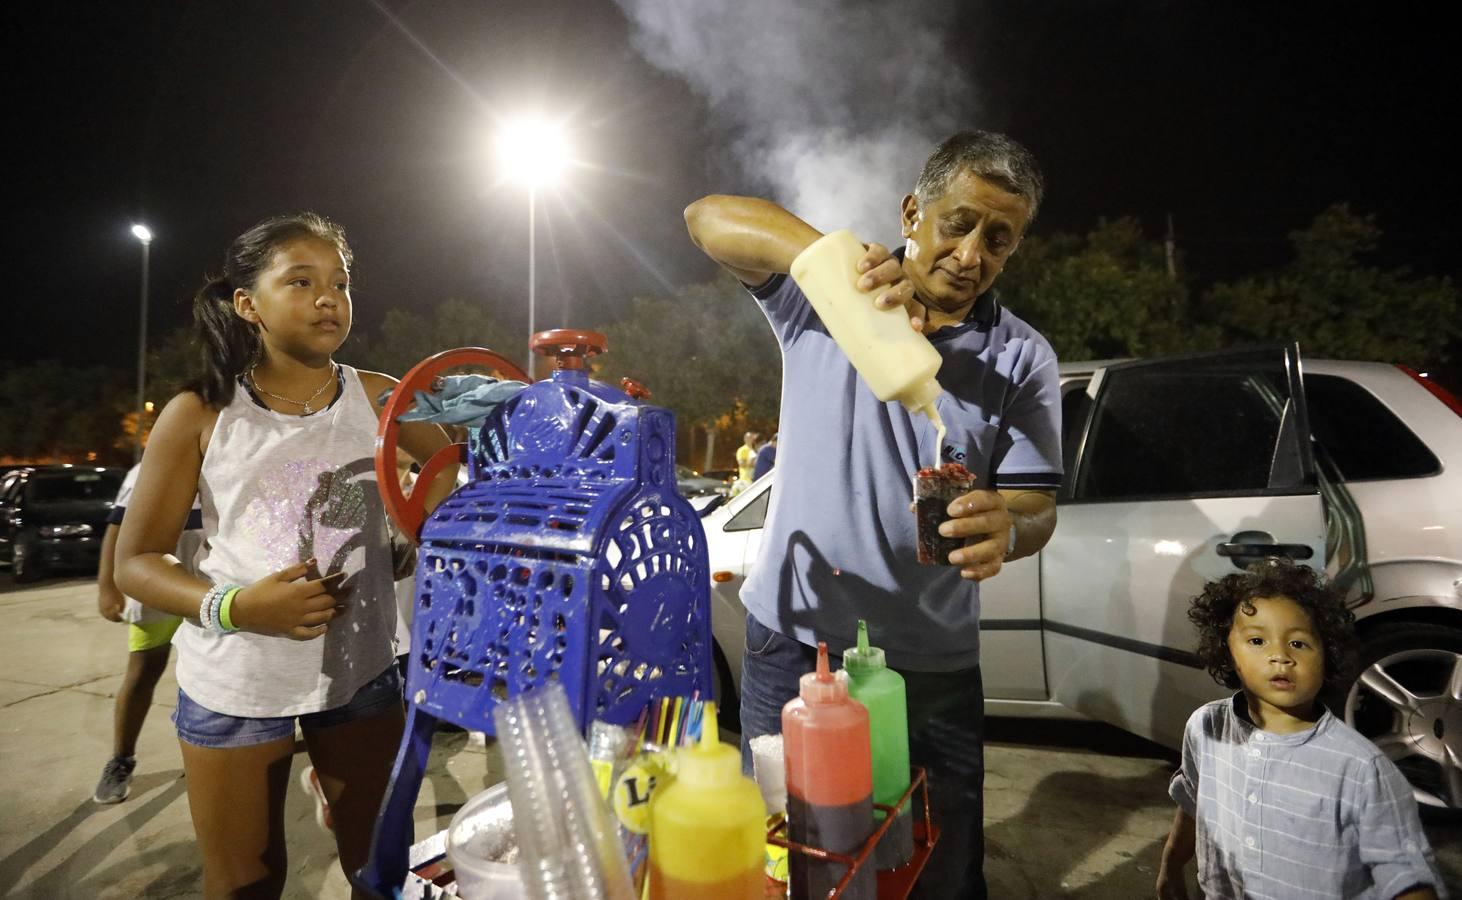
1278 655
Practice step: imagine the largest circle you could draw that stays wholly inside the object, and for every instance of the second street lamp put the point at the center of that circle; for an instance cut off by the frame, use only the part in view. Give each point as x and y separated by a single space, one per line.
143 234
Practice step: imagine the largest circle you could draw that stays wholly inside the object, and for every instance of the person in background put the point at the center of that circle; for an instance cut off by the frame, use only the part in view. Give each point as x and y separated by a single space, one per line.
840 542
149 644
766 457
1276 796
745 462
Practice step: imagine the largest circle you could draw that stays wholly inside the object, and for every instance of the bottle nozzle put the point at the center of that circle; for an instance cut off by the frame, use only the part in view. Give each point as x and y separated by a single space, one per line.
824 669
864 657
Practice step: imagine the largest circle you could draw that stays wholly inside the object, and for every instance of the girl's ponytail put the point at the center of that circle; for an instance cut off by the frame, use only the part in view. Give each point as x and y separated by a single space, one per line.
228 344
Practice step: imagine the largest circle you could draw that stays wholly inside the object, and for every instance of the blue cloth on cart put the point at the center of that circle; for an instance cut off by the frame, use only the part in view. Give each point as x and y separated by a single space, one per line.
461 400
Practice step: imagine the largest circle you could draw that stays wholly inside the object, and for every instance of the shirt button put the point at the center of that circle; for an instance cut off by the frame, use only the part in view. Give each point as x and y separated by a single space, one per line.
1254 751
1258 737
1253 798
1249 842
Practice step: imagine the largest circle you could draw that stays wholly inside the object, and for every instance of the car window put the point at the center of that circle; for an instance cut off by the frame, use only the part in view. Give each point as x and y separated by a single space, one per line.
1075 404
1363 439
1199 428
72 486
753 515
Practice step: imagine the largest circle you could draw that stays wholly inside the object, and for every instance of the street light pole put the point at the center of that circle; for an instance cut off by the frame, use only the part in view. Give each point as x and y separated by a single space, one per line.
532 275
143 234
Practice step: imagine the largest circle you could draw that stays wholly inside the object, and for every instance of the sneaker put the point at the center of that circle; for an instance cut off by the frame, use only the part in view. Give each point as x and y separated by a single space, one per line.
116 780
311 783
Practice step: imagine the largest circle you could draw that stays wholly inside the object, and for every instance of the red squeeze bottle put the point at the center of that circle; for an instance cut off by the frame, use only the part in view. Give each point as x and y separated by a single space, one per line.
829 784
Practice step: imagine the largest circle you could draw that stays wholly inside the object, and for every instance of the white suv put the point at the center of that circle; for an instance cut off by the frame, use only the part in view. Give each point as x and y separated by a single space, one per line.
1181 470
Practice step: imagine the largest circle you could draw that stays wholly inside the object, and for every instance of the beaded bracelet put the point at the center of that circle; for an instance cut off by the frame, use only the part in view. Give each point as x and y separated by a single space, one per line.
213 611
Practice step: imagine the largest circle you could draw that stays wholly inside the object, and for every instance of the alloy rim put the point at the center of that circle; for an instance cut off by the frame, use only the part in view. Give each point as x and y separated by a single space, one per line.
1410 704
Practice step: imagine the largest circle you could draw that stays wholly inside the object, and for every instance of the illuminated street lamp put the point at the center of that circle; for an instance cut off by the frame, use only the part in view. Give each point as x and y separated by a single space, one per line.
143 234
532 151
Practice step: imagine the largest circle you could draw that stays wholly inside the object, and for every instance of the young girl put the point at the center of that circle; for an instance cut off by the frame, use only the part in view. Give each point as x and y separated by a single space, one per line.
292 617
1277 797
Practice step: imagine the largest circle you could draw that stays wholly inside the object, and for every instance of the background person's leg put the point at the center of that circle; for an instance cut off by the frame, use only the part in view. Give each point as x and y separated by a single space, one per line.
946 737
236 796
144 669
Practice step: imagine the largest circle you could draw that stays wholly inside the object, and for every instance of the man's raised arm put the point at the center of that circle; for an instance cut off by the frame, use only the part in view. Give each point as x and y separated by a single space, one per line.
749 237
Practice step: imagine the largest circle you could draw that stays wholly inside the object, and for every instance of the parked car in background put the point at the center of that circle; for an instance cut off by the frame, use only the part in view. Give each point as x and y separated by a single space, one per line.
701 491
52 517
1181 470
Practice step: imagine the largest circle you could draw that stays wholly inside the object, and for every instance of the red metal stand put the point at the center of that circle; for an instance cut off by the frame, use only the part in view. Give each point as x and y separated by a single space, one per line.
894 884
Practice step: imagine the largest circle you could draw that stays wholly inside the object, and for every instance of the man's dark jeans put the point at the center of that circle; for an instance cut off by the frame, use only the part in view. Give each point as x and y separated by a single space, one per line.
946 737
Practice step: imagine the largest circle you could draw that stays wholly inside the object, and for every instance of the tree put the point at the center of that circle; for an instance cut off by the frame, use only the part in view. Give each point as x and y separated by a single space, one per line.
1335 304
405 338
52 411
705 352
1107 294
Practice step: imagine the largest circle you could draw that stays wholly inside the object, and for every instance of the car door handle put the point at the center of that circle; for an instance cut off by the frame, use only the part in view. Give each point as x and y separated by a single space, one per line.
1290 551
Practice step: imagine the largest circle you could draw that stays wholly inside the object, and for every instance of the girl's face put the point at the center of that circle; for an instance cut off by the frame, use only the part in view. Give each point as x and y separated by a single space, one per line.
301 302
1280 661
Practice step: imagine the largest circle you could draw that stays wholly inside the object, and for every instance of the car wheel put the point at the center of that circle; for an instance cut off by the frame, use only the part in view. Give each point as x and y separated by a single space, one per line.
24 565
728 705
1408 699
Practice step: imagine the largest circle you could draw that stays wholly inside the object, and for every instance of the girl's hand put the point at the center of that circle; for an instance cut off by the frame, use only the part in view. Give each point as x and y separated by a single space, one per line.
283 604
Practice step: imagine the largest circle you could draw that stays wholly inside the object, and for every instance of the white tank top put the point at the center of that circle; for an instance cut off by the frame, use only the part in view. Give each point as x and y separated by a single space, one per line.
277 490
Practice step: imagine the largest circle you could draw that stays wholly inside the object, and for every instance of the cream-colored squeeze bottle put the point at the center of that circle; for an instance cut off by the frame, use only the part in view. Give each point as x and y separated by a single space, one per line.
896 362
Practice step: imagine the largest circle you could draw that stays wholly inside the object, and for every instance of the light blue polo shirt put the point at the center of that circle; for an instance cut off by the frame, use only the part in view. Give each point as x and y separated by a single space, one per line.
839 543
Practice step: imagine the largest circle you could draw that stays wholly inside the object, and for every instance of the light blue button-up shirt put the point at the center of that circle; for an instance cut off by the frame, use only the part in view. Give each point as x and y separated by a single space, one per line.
1319 813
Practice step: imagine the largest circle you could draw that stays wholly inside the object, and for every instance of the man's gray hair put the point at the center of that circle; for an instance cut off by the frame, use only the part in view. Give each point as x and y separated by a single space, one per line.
989 155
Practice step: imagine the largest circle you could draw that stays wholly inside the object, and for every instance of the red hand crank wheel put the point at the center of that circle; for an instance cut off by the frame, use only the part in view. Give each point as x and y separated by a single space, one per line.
409 512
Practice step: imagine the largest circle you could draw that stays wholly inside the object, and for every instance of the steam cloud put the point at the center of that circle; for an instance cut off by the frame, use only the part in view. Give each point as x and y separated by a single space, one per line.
834 104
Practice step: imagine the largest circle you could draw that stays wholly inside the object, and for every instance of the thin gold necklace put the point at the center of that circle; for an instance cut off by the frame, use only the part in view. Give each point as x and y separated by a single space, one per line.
303 404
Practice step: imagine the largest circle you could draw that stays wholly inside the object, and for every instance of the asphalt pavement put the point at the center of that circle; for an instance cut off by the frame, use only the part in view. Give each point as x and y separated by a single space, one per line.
1073 809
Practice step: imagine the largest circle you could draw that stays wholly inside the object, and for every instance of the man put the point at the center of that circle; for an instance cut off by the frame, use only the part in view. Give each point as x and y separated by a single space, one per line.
766 457
840 538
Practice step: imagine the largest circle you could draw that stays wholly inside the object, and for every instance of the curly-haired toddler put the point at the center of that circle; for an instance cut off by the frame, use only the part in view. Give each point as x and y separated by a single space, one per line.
1276 797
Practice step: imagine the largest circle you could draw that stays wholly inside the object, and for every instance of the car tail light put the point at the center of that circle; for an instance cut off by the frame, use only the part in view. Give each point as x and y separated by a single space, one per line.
721 577
1437 390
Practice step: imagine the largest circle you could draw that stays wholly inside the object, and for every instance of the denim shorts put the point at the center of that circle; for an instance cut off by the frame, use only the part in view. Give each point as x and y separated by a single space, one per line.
205 728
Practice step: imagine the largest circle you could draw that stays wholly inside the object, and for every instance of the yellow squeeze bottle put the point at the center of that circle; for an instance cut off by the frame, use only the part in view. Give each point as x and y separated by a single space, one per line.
896 362
707 826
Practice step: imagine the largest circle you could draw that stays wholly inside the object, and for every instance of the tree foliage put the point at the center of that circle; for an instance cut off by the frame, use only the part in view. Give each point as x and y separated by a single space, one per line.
1102 295
1336 304
406 337
704 352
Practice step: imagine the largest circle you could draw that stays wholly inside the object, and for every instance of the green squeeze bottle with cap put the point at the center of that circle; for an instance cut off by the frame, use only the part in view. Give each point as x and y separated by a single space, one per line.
872 683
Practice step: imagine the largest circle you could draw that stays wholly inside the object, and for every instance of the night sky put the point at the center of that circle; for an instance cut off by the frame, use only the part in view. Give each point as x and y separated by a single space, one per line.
1242 120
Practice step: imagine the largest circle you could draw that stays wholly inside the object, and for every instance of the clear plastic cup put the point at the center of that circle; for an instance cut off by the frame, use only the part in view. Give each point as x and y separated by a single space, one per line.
482 846
934 489
569 848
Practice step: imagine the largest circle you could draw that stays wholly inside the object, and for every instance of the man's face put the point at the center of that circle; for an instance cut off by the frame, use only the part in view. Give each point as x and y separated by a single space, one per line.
956 245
